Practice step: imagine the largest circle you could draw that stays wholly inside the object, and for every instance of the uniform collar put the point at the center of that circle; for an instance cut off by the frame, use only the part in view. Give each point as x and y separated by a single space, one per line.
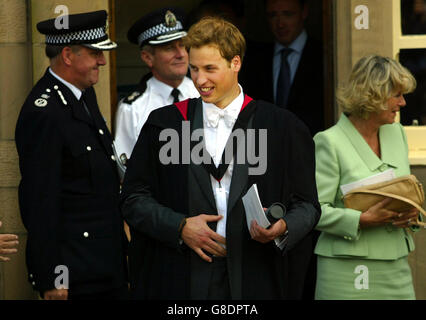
76 91
164 90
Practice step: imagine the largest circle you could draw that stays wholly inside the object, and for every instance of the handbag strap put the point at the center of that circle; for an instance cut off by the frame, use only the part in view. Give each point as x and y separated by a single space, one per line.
394 196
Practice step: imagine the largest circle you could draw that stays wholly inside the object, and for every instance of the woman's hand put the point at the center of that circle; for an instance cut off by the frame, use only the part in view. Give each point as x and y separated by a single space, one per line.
378 215
406 219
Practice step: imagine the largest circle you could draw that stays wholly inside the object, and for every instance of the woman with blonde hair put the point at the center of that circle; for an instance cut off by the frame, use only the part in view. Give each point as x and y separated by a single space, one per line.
363 255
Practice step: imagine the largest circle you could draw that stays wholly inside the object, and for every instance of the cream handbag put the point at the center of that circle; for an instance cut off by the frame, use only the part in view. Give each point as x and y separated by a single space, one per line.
406 192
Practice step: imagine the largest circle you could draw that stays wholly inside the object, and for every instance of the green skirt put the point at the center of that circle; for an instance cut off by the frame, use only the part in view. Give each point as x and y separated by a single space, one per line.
361 279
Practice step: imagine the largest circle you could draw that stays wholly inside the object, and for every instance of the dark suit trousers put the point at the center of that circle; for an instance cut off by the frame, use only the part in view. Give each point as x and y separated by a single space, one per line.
115 294
219 282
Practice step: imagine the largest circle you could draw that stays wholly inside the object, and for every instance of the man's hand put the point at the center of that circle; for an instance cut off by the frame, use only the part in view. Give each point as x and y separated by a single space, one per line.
199 237
56 294
263 235
8 242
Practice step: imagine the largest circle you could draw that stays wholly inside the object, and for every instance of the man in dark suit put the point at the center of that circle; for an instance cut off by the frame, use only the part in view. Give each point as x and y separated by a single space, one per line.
290 71
68 195
190 237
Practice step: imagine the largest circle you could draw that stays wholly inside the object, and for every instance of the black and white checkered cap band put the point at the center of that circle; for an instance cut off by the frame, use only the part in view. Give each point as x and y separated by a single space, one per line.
84 35
157 30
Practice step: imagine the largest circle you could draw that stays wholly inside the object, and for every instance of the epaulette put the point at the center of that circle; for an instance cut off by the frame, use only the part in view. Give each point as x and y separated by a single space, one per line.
132 97
141 89
43 100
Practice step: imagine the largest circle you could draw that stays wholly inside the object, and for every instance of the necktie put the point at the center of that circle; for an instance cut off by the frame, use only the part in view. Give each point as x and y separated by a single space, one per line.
82 100
283 83
242 122
175 94
214 115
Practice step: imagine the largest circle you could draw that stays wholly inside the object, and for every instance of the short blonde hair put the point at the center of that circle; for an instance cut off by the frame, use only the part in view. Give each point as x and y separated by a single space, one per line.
374 79
219 33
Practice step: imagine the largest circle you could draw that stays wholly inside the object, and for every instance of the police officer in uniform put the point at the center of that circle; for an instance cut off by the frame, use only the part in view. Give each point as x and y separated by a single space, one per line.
159 35
68 194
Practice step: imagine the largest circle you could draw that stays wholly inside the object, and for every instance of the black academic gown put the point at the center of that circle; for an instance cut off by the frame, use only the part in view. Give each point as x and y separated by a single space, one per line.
156 197
69 192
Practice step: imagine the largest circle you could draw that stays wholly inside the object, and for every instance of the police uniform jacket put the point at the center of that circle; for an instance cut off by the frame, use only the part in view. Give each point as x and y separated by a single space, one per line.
157 196
68 194
133 111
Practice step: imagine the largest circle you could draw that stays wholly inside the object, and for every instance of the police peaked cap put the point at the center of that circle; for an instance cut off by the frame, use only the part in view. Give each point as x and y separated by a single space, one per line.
158 27
87 29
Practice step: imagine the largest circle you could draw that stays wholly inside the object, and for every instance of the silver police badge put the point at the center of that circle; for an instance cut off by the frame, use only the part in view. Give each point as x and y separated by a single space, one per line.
40 103
170 19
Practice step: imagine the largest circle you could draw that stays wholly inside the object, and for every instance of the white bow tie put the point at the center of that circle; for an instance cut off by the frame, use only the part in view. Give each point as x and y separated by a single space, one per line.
214 115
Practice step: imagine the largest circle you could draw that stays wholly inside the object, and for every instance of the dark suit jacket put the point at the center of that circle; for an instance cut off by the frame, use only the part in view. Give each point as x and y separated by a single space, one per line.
306 94
69 191
156 197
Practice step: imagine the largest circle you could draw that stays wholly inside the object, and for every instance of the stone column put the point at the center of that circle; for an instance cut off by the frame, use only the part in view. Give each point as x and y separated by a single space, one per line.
15 84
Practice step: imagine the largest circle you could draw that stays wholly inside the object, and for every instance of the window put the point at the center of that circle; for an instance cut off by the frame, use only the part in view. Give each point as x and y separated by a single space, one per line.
413 17
409 28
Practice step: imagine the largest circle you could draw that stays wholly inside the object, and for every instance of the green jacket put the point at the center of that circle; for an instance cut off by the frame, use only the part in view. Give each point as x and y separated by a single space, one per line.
342 157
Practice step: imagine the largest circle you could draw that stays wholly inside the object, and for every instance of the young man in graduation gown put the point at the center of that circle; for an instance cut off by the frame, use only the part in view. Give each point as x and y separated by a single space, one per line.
190 238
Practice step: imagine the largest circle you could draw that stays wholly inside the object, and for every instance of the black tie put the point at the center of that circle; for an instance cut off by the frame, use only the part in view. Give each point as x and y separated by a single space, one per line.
175 94
83 100
283 83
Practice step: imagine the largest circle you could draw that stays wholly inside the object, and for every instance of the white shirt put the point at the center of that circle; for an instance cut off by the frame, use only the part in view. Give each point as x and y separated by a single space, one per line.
215 140
131 116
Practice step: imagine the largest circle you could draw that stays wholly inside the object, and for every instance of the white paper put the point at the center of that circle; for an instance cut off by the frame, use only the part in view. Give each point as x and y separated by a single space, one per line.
254 211
254 208
377 178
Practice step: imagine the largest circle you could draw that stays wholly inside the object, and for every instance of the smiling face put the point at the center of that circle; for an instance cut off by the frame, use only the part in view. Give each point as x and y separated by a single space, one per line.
286 19
168 62
394 104
85 63
215 78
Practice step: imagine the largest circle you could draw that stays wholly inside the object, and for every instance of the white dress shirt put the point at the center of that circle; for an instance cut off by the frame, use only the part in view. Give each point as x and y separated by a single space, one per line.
132 116
215 137
216 133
